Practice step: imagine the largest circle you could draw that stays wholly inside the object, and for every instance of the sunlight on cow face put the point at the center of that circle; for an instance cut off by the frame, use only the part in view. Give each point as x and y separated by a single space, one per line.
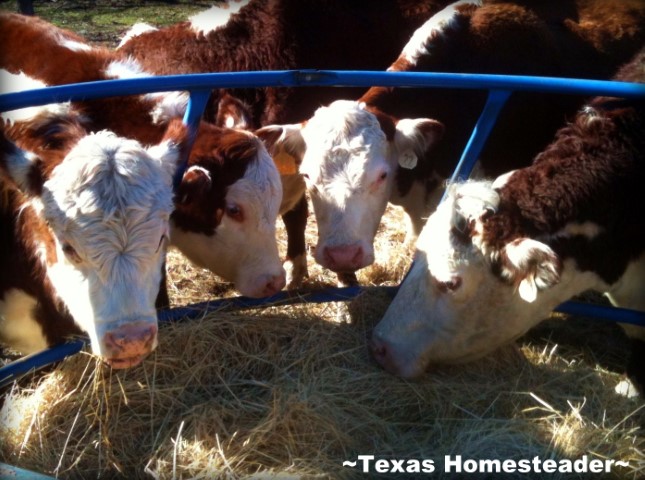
349 174
242 249
108 205
462 300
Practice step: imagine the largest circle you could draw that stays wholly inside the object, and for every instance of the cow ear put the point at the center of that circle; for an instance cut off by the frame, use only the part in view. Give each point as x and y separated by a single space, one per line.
532 266
285 144
233 113
24 168
194 185
413 138
173 147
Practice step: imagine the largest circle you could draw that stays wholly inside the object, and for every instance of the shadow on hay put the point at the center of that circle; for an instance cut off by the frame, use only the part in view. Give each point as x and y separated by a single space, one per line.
291 391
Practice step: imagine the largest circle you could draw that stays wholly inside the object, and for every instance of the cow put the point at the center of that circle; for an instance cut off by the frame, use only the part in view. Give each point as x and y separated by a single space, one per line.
280 35
400 144
227 200
84 224
496 257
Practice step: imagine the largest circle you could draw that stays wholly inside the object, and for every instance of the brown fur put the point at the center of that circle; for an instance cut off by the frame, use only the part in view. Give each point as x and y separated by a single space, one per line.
282 35
21 230
125 116
574 38
225 154
593 171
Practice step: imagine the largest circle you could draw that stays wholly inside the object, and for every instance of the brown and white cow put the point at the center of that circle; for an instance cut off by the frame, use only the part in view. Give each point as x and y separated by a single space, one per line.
357 155
229 197
84 220
495 258
282 35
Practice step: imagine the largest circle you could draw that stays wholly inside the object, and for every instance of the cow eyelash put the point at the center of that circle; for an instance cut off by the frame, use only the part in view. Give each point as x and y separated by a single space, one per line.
162 240
71 253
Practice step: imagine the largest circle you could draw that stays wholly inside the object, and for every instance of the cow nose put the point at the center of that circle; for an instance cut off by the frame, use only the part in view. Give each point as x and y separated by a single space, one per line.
129 344
381 353
343 258
274 284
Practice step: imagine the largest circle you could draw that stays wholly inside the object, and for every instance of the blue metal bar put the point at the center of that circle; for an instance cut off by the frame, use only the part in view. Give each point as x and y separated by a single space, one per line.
196 104
15 473
297 78
494 104
200 84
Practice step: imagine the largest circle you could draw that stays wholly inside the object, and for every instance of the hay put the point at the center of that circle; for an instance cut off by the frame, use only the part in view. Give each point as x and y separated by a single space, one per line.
291 392
283 392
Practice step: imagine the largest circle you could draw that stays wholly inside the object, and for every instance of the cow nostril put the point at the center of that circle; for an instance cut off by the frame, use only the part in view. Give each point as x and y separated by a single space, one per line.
378 350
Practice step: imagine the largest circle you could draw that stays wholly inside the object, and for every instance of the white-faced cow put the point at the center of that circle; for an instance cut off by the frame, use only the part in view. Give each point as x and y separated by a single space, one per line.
283 35
229 197
495 258
84 220
357 155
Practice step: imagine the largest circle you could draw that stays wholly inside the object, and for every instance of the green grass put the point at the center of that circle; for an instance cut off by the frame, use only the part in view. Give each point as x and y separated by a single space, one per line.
105 21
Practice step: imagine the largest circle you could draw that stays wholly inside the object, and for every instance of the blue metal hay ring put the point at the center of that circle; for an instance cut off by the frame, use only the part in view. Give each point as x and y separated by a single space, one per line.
500 88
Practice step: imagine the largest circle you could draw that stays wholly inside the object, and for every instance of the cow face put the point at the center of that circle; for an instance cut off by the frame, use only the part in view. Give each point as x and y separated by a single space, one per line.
226 209
106 206
464 297
350 156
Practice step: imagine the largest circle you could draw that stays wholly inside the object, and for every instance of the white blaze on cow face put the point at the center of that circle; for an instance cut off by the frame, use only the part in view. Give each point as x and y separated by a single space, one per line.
453 307
107 205
243 248
349 166
215 17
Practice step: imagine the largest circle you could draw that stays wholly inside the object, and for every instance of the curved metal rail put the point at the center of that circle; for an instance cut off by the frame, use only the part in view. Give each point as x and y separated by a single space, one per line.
500 88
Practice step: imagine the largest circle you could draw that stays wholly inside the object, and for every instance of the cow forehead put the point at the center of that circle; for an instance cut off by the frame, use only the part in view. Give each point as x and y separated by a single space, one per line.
464 204
343 132
260 188
106 176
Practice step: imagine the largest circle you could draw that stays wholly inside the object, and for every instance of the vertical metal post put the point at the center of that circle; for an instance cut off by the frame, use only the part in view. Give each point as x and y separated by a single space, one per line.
496 100
194 111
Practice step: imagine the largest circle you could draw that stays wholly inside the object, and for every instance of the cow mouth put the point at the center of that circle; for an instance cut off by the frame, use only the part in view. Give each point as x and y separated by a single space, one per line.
125 362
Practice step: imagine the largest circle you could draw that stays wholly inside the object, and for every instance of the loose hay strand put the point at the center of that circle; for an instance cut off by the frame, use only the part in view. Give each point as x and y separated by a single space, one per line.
291 392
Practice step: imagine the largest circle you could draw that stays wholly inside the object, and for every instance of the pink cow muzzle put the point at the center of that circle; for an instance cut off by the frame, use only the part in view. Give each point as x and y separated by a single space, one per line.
345 258
129 344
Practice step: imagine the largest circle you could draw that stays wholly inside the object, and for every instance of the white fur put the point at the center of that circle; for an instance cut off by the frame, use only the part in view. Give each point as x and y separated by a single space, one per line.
109 199
12 83
18 328
425 324
136 30
242 252
215 17
167 105
343 153
417 46
346 151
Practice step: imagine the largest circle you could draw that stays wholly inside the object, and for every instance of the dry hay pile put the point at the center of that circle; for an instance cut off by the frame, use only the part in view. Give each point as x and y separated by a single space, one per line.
291 392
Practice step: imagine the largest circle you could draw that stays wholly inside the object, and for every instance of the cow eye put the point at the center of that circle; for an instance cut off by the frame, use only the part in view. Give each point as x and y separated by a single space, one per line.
234 211
71 253
460 223
382 176
461 226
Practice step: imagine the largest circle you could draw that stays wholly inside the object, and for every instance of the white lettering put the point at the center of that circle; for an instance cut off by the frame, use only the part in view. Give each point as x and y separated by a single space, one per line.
428 466
366 462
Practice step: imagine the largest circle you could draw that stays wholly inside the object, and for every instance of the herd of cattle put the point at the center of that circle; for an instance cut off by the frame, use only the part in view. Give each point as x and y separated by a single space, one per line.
88 208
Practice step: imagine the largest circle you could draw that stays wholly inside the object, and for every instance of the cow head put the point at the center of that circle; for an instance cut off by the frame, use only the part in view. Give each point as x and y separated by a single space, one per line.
471 290
105 212
226 209
349 156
